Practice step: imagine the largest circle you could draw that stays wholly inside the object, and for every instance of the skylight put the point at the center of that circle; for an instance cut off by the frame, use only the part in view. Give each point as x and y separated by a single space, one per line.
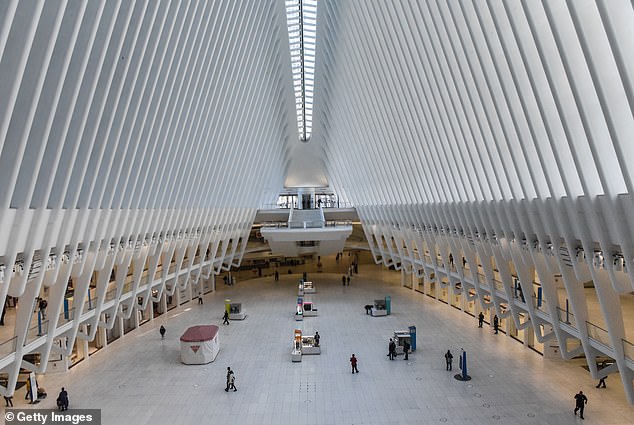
301 18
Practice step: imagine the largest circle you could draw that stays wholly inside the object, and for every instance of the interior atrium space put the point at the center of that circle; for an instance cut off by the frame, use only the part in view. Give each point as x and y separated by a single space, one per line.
273 186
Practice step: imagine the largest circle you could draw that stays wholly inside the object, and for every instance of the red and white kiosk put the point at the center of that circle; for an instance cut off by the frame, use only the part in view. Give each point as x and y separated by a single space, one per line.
199 344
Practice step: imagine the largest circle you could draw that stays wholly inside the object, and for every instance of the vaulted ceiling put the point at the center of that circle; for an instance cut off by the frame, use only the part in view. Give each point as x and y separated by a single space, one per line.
145 128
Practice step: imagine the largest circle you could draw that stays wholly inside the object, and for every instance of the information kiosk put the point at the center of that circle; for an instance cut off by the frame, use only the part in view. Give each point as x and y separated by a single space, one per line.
309 309
400 337
299 309
309 288
309 345
236 312
379 308
296 352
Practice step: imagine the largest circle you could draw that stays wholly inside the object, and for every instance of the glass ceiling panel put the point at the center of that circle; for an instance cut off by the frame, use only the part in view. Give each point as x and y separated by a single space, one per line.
301 19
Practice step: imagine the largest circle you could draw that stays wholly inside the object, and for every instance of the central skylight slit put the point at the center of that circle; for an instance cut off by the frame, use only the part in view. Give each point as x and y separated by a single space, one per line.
301 18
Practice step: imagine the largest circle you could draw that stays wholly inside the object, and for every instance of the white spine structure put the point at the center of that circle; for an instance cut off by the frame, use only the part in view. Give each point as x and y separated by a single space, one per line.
139 138
498 132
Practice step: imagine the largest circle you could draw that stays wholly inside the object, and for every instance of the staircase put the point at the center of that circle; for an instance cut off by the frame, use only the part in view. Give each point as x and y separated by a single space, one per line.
306 219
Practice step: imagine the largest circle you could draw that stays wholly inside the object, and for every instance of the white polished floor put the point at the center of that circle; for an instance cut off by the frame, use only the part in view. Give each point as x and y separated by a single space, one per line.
140 380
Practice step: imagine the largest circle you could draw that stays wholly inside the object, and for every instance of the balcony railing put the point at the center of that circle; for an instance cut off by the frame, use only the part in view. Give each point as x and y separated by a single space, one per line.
565 316
628 349
598 334
7 347
36 331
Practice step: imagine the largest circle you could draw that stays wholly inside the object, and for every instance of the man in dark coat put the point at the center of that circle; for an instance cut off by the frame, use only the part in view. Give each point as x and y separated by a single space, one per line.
62 400
449 359
580 403
391 349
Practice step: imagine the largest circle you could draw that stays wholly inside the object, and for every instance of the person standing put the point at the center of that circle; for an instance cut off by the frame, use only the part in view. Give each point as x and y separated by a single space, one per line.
580 403
277 276
162 331
391 349
42 305
200 296
496 323
480 319
449 359
353 363
406 348
225 318
348 280
317 337
343 280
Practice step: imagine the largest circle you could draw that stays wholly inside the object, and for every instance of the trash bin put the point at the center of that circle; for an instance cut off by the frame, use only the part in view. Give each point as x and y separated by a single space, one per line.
412 334
388 304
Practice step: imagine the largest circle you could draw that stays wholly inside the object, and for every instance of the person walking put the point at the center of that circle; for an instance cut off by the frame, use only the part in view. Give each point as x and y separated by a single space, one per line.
28 395
580 403
480 319
496 323
601 383
353 363
8 400
449 359
348 280
317 337
277 276
232 382
229 373
225 318
343 280
162 331
62 400
406 348
200 296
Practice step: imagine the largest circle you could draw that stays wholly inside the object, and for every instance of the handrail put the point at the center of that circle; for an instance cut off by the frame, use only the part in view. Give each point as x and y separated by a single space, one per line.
598 334
7 347
566 316
628 349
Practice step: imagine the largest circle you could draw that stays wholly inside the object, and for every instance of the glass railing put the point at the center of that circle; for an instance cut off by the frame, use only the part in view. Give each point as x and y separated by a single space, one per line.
324 205
7 347
90 304
499 286
337 223
598 334
542 305
111 294
484 283
126 288
36 331
566 317
66 316
312 224
628 349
